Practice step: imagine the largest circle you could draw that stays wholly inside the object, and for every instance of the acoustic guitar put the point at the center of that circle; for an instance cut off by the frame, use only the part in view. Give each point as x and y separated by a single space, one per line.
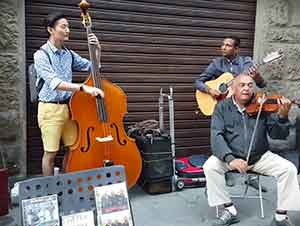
207 103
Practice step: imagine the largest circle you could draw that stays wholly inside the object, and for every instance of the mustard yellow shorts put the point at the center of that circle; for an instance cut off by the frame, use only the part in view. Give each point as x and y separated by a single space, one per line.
55 124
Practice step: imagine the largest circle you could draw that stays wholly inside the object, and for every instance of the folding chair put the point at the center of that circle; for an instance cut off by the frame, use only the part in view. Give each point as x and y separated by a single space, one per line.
244 195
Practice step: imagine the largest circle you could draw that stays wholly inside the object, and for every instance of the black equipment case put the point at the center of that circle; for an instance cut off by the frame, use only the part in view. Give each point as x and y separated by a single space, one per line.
157 171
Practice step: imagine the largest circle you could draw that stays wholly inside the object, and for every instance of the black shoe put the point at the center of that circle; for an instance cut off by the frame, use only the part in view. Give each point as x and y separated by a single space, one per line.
285 222
226 219
253 182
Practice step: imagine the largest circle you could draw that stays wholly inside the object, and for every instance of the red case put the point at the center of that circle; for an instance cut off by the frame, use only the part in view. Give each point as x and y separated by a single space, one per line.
190 173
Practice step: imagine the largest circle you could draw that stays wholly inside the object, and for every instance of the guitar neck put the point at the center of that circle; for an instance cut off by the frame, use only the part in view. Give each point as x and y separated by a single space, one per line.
259 63
247 71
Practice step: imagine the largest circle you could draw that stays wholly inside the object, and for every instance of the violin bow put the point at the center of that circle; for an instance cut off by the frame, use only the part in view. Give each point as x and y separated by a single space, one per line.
255 127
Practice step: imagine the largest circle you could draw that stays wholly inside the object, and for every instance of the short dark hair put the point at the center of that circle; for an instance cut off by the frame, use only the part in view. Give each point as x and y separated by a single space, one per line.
51 19
236 40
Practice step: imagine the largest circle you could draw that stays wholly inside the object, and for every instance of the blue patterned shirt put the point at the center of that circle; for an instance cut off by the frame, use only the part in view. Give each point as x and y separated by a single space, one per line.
60 70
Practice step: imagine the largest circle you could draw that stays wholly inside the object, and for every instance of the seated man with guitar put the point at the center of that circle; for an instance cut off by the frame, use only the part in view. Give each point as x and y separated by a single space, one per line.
239 142
235 64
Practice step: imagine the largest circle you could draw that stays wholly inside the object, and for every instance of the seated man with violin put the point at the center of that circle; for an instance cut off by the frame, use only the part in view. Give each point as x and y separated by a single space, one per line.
235 64
239 144
54 64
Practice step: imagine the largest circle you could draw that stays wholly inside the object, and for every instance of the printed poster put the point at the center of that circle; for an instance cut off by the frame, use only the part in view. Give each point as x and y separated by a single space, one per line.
40 211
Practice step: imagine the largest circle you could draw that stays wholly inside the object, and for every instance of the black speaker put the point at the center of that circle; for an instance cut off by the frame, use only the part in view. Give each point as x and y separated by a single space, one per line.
156 155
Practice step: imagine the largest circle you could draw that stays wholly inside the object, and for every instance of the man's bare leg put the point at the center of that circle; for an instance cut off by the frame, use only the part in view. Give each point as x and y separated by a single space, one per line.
48 163
65 160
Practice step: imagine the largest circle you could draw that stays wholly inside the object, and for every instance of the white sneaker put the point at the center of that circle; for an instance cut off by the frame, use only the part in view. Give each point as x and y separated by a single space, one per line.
14 194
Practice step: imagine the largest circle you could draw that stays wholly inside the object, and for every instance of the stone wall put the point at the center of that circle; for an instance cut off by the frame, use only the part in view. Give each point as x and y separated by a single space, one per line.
12 85
278 27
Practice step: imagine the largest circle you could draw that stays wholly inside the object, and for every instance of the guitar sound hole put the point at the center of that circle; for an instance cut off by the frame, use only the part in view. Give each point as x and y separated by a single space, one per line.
223 88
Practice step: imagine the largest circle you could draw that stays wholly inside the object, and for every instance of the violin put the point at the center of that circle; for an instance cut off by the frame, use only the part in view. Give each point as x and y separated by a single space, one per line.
270 103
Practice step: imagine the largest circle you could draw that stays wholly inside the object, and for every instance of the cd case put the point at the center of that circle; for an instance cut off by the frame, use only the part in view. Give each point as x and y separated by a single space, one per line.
113 208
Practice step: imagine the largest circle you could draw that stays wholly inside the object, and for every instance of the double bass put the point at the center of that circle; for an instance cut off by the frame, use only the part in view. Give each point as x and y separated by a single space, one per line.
102 140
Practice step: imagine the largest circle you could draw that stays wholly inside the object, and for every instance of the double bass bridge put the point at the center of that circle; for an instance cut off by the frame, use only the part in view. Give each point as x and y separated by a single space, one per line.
108 138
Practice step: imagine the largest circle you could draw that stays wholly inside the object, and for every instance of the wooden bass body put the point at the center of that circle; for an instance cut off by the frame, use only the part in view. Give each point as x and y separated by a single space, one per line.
93 148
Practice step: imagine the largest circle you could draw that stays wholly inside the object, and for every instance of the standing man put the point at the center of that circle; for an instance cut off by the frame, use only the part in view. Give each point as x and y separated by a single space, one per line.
231 62
53 112
231 132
